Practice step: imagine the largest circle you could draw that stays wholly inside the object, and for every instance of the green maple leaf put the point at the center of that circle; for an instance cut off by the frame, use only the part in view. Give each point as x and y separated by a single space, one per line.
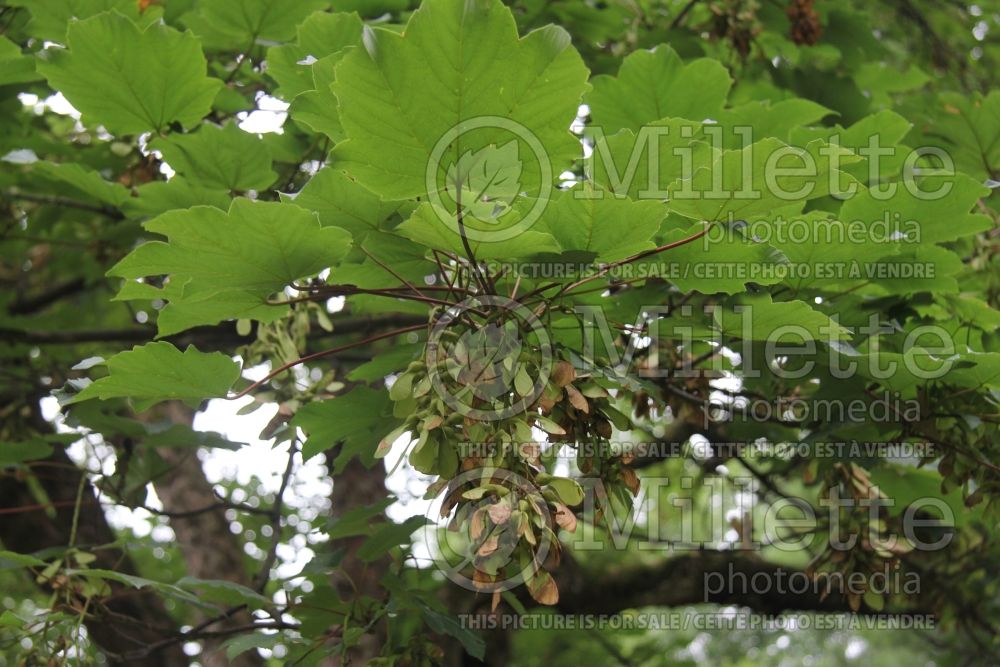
50 18
939 268
828 244
343 202
643 165
306 70
486 181
225 158
80 181
239 24
406 259
159 372
918 367
320 35
778 120
317 109
921 218
969 129
354 420
656 84
14 66
611 228
402 93
158 197
778 322
131 80
881 80
716 192
427 228
724 263
225 265
888 126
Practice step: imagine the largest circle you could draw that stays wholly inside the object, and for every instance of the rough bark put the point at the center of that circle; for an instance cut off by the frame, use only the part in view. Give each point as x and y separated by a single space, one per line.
674 583
209 548
680 581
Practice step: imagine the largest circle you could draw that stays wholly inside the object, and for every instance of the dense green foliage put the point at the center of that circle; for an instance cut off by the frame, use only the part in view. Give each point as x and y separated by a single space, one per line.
563 263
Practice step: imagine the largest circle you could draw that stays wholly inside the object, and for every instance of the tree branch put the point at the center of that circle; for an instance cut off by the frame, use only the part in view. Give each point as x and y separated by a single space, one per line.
210 550
279 502
32 304
681 581
54 200
224 334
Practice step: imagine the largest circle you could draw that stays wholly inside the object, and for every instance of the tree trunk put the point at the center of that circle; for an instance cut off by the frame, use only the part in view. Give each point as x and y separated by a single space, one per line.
210 550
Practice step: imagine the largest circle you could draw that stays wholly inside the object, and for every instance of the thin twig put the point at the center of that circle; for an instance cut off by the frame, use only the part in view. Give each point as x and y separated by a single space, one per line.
279 502
634 258
393 273
76 509
676 23
53 200
325 353
349 290
460 216
243 57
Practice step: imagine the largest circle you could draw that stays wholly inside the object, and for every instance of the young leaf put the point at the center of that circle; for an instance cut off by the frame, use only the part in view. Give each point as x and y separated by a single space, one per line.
221 591
19 560
240 644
